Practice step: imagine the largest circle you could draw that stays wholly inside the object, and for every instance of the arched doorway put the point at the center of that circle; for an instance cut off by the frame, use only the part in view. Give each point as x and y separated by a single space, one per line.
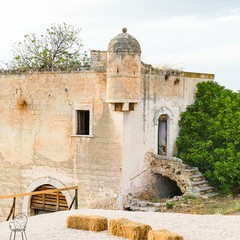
40 182
49 202
163 135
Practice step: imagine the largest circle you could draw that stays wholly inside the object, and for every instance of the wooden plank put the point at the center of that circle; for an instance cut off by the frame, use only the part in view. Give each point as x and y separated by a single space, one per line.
43 200
38 192
39 205
49 202
12 211
48 197
53 201
48 209
76 198
57 204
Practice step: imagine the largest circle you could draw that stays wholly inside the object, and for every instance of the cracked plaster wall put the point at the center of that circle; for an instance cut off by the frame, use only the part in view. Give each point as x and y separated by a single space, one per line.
36 141
158 96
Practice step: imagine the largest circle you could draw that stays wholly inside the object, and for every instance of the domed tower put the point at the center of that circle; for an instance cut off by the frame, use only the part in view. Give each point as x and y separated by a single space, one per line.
123 71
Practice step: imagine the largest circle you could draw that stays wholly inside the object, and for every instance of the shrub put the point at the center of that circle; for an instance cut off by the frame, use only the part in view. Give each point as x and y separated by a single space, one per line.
169 205
209 136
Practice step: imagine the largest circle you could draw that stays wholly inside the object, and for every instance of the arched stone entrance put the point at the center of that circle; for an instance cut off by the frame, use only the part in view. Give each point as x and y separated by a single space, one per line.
188 179
40 182
49 202
165 187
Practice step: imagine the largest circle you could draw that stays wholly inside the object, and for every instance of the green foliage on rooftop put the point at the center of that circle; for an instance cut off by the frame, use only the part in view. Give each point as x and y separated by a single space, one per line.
59 49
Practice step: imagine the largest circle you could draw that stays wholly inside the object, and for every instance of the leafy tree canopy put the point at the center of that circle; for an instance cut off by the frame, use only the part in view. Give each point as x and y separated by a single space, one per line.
59 49
210 136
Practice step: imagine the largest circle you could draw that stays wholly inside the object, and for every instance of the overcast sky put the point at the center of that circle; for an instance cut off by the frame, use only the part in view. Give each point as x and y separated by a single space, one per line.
199 36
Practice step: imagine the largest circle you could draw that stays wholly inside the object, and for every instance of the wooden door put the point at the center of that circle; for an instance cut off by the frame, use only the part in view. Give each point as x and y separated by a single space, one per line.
50 202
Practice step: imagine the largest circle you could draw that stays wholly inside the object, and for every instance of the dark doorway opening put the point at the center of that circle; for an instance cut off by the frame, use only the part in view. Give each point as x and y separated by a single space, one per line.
165 187
162 134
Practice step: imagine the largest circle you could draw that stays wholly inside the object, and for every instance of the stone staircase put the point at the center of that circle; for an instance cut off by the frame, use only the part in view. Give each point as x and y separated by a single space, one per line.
198 181
189 179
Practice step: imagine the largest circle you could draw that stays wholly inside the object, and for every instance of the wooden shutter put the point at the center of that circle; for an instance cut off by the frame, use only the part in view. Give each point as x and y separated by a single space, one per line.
50 202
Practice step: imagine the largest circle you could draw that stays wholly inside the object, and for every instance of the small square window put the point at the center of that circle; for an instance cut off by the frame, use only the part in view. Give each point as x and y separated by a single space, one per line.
82 122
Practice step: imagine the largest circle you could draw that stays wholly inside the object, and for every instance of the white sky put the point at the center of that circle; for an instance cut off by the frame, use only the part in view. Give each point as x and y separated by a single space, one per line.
201 36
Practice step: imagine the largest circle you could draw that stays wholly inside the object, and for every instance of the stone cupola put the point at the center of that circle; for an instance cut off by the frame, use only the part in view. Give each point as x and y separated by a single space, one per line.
124 42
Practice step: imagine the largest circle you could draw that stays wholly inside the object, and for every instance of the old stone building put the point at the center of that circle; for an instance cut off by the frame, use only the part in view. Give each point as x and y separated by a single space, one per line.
92 128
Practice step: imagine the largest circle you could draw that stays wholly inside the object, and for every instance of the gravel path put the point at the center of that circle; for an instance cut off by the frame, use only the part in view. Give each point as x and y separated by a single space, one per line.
192 227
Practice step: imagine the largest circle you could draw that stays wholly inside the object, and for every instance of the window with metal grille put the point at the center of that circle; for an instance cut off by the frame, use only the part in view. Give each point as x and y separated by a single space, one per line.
83 120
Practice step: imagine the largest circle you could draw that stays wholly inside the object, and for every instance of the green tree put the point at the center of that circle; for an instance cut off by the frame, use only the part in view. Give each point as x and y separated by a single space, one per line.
60 48
210 136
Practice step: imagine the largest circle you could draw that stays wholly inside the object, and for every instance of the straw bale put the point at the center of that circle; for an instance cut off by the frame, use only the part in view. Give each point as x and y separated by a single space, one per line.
163 234
87 222
128 229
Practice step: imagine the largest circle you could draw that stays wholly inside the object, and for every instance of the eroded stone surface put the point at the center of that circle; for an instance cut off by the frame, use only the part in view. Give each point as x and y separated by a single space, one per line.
181 173
38 121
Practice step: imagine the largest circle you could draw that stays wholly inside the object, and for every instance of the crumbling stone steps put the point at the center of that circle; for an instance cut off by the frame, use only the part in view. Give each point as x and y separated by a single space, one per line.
145 206
198 180
211 194
143 209
205 190
196 177
191 169
189 179
199 183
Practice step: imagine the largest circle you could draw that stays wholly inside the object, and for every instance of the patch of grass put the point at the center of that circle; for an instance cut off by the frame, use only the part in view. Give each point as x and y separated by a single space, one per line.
216 205
187 198
155 200
169 205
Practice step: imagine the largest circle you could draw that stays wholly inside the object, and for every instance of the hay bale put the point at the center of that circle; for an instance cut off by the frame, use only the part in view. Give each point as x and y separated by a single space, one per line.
128 229
163 234
87 222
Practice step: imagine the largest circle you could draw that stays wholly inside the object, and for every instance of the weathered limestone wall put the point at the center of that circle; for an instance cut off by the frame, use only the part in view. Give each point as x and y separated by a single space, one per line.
37 138
166 96
36 141
98 60
159 96
123 77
